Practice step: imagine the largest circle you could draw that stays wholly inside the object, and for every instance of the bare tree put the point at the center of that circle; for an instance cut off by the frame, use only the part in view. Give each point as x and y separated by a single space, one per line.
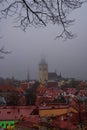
3 52
41 12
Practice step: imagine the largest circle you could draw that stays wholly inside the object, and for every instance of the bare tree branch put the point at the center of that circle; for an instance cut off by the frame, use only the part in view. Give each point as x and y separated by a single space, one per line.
41 12
3 52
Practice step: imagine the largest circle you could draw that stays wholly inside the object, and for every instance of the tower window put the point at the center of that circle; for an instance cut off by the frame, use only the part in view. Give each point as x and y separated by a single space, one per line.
45 69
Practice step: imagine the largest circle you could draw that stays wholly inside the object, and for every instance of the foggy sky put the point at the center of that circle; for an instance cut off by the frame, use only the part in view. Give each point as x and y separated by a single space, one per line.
69 58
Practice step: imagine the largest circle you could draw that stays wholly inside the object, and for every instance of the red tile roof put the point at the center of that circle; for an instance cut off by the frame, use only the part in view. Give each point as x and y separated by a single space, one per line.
15 112
24 86
30 122
5 88
66 124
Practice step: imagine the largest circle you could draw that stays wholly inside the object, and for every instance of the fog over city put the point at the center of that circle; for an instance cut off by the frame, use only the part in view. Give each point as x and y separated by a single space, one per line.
28 48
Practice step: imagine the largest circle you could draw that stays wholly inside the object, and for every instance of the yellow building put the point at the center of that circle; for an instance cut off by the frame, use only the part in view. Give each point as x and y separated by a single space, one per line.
49 111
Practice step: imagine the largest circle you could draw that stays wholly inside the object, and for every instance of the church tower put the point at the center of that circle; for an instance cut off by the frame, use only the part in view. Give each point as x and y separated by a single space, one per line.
43 71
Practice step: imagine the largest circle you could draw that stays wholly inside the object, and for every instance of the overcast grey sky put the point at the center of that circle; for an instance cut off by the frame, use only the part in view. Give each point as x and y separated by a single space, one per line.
69 58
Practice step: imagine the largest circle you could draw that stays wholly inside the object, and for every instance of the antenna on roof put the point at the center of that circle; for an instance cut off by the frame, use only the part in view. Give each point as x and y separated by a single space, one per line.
28 78
60 74
55 71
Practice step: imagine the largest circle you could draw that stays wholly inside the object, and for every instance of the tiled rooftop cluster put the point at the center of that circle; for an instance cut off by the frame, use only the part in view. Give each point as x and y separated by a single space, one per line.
59 105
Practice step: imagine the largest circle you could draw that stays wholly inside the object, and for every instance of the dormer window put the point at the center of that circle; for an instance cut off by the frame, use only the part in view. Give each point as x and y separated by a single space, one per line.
8 112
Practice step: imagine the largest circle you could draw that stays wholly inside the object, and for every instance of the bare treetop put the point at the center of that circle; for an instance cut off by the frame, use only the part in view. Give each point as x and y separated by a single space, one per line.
41 12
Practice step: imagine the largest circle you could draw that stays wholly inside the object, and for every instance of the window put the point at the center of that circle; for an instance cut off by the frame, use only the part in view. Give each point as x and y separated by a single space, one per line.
8 112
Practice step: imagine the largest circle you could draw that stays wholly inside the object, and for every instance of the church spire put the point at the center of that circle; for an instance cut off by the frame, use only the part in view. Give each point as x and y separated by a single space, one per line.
43 61
28 79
